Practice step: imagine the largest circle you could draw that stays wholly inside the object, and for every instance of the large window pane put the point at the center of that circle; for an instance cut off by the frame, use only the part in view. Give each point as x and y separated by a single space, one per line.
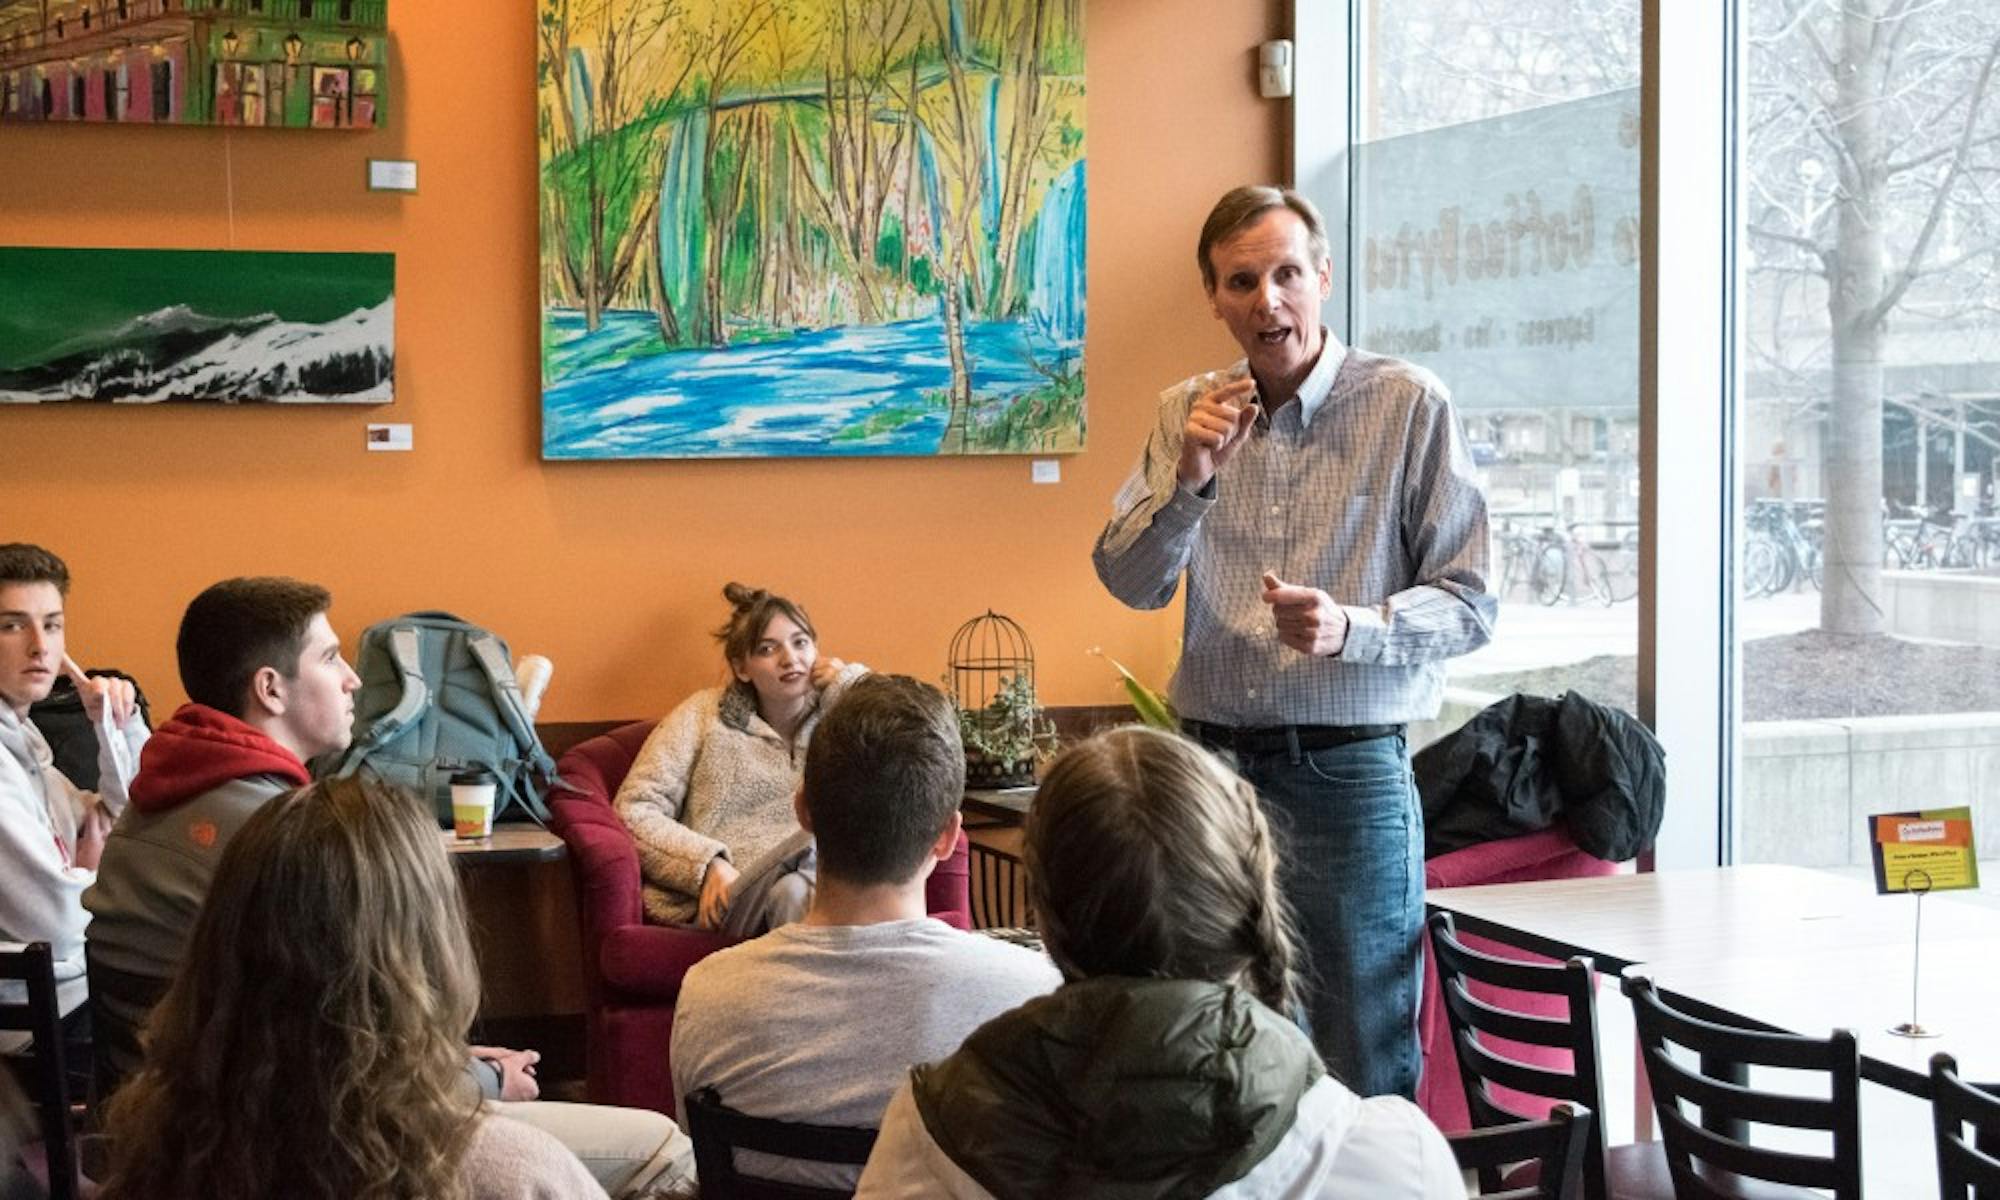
1871 411
1495 241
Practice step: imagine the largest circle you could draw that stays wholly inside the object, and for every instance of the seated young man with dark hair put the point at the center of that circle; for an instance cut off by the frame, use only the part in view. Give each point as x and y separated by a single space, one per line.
51 832
268 690
819 1021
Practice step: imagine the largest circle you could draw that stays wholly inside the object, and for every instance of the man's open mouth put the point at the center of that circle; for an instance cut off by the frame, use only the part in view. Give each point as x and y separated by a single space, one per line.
1271 337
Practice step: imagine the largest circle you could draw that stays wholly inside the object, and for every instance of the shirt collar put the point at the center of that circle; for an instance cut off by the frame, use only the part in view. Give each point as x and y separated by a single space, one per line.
1319 384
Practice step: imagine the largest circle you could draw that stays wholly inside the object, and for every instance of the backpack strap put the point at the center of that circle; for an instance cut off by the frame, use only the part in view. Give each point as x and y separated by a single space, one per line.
492 659
410 706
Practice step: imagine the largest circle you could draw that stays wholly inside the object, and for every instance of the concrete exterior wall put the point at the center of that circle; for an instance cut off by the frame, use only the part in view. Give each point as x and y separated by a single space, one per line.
1805 788
1952 606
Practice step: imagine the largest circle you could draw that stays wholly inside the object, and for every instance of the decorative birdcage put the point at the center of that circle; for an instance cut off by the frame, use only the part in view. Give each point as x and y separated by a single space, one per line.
992 678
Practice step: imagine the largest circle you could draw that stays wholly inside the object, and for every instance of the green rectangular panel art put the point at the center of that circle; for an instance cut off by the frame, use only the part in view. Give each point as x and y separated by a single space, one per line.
222 326
303 64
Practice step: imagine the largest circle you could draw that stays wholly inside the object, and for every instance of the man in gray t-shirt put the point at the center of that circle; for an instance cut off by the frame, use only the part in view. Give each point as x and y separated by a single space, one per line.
820 1020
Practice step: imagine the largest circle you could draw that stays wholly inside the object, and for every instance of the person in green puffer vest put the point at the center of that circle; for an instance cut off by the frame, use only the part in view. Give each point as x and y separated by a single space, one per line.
1164 1066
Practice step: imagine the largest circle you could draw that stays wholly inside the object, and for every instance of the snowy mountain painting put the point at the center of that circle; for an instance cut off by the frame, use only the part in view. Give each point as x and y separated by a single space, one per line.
221 326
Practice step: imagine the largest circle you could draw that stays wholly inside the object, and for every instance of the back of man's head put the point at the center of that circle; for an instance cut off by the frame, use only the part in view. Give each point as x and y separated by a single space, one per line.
25 562
883 777
239 626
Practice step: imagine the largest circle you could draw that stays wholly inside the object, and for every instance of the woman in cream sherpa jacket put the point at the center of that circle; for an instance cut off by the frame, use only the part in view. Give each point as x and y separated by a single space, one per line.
710 792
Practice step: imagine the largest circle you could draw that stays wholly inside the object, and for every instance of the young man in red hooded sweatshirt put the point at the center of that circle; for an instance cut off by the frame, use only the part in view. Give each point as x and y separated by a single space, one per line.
268 690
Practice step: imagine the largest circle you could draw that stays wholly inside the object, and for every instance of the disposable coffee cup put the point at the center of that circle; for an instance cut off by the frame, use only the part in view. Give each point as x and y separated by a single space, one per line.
472 803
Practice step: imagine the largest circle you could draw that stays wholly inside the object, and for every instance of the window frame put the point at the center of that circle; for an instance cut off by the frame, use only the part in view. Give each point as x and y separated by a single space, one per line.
1689 682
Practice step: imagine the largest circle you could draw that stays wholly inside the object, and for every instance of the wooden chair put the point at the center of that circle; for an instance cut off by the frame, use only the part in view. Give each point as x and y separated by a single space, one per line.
719 1132
1557 1147
1966 1169
1502 1089
1713 1159
40 1016
996 888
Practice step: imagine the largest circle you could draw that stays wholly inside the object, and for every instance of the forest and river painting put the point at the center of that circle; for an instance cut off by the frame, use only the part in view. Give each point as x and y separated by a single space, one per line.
811 227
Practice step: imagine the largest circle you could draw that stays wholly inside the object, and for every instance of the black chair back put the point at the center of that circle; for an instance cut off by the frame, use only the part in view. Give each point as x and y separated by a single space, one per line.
1557 1146
1965 1168
1482 1068
719 1132
1703 1155
40 1017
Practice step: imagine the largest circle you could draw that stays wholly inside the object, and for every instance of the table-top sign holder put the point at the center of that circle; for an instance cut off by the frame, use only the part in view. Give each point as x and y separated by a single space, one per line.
1917 882
1918 853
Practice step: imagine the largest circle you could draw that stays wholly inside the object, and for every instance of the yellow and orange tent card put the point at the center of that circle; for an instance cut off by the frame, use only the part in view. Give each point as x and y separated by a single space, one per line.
1927 851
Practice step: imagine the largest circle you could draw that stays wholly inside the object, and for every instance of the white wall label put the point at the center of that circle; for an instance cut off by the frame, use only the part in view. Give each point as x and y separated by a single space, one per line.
390 437
1045 470
391 175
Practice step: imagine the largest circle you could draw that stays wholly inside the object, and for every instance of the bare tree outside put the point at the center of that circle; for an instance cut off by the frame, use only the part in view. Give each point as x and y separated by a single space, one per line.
1446 62
1871 159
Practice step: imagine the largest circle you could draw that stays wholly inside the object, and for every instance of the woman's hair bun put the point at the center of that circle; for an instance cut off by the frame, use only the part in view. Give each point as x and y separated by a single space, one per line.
742 595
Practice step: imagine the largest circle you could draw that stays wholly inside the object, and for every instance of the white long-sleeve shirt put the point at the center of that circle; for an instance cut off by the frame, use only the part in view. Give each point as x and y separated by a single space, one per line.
41 887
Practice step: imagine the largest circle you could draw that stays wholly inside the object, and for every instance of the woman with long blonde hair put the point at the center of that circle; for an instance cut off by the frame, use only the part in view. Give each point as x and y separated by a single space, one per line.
1166 1064
313 1042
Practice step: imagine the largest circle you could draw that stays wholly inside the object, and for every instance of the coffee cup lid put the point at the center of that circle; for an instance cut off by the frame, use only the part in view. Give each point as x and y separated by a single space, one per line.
472 776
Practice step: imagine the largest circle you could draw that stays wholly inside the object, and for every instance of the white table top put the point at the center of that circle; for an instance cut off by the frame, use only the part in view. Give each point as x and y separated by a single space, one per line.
1784 947
1727 912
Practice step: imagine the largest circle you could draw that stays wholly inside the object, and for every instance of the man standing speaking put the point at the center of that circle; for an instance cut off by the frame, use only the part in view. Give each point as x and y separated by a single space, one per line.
1320 501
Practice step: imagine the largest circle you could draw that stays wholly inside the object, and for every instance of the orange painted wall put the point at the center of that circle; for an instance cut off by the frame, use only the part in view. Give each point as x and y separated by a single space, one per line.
611 569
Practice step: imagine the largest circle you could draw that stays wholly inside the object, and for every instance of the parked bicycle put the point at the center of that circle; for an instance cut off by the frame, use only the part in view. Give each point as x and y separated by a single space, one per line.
1939 539
1782 547
1552 564
1615 545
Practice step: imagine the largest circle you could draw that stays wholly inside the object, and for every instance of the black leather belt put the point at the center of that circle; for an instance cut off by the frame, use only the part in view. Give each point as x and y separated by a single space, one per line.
1272 739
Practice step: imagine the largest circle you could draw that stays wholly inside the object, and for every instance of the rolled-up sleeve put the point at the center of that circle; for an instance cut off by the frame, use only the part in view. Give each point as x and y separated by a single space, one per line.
1154 522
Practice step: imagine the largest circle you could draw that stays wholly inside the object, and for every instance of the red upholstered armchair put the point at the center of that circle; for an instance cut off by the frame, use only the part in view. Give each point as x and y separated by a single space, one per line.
1549 854
632 971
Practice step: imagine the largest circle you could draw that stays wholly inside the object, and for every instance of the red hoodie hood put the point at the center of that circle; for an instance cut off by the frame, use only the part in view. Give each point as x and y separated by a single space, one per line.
200 748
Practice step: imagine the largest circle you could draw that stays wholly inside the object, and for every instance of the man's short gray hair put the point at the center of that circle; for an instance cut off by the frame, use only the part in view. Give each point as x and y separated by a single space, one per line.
1243 205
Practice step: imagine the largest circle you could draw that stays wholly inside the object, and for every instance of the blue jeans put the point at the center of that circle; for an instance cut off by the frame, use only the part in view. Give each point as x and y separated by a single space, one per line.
1351 833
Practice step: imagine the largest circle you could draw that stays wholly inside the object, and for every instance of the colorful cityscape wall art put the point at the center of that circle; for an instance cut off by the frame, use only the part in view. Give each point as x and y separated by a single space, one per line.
310 64
811 227
221 326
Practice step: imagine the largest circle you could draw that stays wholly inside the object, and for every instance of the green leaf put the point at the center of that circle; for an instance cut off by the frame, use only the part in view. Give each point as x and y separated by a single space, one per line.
1153 708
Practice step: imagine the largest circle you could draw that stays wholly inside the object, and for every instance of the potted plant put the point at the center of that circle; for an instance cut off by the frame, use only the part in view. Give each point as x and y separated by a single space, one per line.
1006 737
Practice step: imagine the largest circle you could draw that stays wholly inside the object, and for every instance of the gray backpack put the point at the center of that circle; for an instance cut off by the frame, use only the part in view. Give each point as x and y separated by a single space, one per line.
438 696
